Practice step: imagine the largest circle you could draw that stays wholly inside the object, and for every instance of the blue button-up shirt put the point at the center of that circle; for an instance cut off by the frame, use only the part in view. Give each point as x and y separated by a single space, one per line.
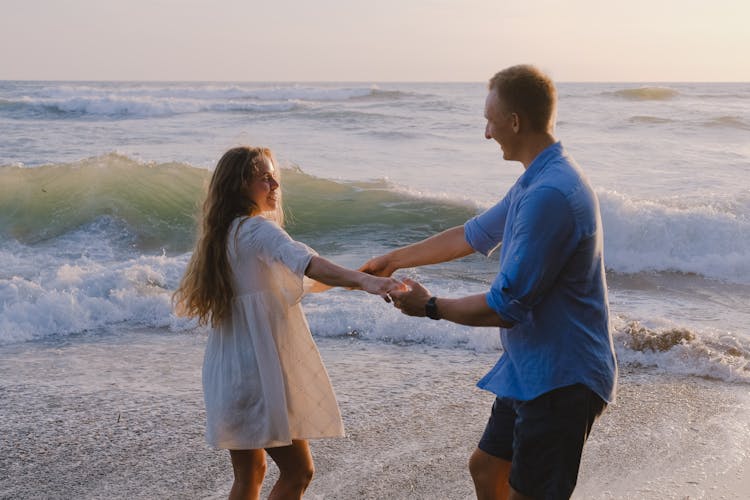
551 285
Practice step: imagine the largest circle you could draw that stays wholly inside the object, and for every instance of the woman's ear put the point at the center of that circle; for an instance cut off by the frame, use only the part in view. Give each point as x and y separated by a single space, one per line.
245 187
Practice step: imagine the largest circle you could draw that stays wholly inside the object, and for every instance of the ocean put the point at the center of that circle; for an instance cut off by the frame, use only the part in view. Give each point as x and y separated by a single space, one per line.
100 185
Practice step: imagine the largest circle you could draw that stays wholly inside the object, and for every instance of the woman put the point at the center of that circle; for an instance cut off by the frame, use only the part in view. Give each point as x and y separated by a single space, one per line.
265 386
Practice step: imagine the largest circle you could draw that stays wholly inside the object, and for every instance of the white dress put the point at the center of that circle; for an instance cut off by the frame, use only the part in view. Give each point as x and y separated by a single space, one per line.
264 383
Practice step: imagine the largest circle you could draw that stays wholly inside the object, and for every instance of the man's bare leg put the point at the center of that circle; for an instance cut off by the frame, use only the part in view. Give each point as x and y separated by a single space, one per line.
490 475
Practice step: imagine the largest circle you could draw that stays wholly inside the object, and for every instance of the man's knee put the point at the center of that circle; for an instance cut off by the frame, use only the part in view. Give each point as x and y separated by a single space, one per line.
483 466
475 465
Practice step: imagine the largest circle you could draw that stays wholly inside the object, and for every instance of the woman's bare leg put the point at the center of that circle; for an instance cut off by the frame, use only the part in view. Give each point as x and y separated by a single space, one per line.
295 470
249 469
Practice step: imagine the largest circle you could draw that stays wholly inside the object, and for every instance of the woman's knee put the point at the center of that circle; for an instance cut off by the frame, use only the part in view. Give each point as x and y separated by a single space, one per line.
308 473
248 465
295 464
259 468
300 476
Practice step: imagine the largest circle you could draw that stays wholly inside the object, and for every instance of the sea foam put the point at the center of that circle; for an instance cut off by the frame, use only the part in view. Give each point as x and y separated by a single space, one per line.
683 351
710 238
155 101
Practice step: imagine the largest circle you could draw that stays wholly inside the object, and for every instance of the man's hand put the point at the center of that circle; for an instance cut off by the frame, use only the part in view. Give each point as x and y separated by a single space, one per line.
412 300
379 266
471 310
442 247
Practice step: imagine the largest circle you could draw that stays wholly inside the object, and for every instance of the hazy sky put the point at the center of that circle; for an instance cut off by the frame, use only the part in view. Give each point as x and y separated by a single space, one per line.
374 40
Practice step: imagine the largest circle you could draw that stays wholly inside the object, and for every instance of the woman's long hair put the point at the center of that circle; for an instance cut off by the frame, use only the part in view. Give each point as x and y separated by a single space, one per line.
206 290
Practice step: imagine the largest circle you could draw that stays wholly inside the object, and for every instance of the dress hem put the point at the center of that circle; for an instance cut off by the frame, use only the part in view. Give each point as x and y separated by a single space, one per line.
273 444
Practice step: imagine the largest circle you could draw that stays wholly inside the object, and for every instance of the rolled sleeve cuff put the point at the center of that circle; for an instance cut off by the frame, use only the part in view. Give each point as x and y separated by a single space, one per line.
477 237
509 310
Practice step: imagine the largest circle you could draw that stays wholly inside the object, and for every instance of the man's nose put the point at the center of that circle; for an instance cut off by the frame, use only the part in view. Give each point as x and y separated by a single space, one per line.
487 132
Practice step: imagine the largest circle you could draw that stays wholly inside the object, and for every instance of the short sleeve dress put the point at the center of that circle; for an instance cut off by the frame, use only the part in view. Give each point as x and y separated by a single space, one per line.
264 382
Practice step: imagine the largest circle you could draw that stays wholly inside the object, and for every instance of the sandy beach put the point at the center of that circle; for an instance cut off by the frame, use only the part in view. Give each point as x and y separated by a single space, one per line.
121 416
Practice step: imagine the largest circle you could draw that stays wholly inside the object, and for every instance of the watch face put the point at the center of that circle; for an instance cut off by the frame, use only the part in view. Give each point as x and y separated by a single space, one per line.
430 308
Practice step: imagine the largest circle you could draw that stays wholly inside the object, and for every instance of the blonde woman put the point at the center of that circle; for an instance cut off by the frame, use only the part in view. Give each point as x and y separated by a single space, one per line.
265 386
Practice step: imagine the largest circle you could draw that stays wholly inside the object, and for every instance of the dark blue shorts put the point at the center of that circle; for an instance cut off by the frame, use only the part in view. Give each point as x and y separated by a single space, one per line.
543 438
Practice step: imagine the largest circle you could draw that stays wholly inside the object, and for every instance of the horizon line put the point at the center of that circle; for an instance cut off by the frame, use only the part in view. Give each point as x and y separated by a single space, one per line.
94 80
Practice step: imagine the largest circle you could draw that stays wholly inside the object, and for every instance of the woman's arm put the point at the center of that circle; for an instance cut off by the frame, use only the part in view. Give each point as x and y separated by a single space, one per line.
328 273
316 286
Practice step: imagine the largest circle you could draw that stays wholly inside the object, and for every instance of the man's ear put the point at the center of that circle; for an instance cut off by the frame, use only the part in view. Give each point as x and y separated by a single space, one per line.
516 122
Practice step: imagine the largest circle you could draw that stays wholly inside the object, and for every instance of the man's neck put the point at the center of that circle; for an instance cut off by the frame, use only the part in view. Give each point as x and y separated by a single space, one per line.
535 144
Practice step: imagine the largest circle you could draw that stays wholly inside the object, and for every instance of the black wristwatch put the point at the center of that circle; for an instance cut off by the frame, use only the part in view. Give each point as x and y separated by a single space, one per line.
430 308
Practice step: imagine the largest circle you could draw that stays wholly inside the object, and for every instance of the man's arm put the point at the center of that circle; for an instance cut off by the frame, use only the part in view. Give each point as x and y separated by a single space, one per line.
442 247
471 310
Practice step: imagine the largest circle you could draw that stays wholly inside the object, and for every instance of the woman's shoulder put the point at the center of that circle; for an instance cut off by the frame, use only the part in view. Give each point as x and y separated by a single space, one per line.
252 221
256 226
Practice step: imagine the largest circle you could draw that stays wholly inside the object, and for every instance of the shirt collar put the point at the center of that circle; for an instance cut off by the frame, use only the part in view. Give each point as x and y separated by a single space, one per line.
552 151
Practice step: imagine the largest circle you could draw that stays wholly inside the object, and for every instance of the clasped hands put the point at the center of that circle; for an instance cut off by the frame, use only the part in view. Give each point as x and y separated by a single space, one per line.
410 296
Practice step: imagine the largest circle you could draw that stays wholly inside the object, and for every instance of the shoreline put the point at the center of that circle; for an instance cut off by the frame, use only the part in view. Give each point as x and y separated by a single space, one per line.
121 415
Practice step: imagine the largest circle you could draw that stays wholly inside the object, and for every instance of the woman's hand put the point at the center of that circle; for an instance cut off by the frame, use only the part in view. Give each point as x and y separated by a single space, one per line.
325 271
382 286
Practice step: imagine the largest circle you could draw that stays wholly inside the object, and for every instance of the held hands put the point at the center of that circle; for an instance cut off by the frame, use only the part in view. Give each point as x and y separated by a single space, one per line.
385 287
411 299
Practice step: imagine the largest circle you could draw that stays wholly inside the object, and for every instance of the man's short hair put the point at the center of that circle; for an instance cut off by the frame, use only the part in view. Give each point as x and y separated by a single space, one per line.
527 91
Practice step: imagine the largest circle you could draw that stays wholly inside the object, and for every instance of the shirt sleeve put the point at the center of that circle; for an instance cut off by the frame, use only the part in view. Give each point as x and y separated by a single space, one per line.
485 231
274 245
542 241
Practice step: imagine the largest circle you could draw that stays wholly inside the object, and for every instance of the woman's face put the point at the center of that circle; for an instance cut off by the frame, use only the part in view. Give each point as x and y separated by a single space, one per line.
263 189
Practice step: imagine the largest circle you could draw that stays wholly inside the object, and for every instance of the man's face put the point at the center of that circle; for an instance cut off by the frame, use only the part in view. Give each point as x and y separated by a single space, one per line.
500 124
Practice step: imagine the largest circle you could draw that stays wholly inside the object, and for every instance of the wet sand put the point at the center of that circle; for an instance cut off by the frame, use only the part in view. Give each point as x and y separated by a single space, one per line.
121 416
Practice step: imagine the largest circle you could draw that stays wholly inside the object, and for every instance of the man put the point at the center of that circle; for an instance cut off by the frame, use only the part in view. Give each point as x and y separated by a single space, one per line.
558 368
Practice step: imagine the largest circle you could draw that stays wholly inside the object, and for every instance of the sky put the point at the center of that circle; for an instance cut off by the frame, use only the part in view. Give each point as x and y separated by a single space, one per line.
377 41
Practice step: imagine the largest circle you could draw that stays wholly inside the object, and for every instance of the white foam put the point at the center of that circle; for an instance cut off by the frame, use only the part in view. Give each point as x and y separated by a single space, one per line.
214 92
153 101
145 107
339 313
706 237
72 298
75 295
708 353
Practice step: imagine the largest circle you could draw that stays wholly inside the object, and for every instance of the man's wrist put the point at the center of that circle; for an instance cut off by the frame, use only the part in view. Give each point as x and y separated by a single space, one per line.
393 262
430 308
